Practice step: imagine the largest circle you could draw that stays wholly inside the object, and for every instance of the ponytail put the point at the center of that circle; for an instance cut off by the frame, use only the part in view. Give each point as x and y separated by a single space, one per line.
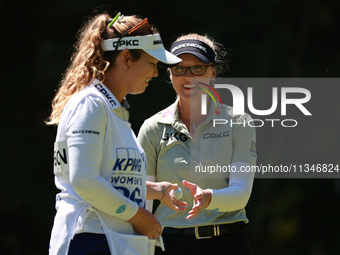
89 61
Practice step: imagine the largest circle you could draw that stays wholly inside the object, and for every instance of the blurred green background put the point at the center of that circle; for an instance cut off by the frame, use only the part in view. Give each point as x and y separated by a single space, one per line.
265 38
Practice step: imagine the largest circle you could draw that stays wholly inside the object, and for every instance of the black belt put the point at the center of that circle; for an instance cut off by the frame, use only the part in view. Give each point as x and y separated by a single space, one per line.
204 232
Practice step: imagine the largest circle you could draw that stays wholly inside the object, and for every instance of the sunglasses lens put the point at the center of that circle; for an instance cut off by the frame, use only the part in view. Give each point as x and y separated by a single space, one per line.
145 21
198 70
178 70
195 70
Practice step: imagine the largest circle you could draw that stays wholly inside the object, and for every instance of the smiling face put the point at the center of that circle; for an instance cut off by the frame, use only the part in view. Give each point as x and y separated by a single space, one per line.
140 73
181 84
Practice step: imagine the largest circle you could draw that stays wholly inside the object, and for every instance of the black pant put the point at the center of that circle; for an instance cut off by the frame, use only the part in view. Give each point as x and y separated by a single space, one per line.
89 244
231 244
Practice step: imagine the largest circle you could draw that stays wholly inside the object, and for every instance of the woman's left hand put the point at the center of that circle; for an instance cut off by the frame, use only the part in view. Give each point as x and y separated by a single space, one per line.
202 198
168 200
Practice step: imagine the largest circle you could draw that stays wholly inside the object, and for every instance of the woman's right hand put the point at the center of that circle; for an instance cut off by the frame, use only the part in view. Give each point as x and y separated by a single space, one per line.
202 198
146 224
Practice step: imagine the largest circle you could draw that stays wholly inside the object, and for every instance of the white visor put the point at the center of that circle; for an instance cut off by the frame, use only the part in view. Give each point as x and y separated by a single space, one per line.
151 44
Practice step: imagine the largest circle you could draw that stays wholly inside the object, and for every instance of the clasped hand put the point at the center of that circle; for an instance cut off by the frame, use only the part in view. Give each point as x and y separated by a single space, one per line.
202 198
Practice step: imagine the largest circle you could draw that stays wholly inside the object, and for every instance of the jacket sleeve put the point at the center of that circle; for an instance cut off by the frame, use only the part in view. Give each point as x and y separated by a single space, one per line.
85 139
237 194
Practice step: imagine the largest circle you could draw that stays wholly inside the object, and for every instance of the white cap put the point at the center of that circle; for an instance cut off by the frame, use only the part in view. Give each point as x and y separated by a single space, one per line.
151 44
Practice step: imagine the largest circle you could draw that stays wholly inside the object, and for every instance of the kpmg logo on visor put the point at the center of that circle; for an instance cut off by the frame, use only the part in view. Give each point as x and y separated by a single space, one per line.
133 42
125 42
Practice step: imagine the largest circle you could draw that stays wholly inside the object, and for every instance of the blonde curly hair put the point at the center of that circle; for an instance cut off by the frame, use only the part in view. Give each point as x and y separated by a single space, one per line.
89 61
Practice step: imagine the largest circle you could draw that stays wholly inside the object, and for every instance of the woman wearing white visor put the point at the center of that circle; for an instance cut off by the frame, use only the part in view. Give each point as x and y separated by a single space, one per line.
179 139
99 165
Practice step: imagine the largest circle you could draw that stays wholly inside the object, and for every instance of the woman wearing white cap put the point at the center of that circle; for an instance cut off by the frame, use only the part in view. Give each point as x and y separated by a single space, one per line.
179 139
99 165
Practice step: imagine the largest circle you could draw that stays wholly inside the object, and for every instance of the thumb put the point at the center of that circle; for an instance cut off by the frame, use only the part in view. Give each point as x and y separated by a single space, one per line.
198 196
189 185
173 186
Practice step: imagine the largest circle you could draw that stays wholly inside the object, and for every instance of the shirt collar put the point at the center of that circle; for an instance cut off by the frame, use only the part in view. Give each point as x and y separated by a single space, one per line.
170 116
119 108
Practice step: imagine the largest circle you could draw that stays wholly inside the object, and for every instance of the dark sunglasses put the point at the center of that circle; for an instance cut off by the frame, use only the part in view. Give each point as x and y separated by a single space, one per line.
144 21
194 70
